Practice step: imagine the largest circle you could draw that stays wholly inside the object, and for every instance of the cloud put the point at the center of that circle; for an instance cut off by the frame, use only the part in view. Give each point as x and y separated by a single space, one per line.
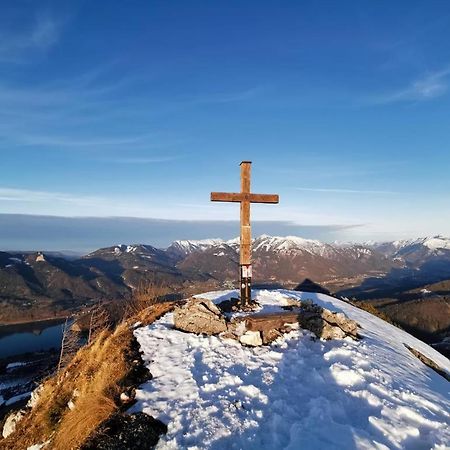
71 141
140 160
28 114
228 97
37 232
428 87
346 191
33 196
43 34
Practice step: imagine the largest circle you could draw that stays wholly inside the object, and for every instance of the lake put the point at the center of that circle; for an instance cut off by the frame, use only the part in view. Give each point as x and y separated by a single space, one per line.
30 337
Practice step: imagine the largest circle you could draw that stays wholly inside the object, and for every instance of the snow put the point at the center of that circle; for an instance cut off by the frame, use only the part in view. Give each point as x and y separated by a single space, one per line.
298 392
189 246
433 243
277 244
290 243
17 398
16 260
14 365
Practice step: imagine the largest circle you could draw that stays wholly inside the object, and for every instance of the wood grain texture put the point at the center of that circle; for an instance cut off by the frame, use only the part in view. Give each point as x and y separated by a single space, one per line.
243 197
245 176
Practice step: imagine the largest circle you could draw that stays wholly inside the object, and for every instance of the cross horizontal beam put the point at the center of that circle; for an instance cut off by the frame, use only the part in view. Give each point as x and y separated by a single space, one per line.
243 197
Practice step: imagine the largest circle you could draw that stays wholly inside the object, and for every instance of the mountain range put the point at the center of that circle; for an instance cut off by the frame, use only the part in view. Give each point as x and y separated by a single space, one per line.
42 285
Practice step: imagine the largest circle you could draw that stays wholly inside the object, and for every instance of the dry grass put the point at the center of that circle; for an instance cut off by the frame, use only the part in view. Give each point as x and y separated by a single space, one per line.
147 294
93 381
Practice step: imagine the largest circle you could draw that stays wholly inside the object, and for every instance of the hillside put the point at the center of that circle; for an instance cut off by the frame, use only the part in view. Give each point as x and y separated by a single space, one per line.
297 392
423 312
375 391
39 286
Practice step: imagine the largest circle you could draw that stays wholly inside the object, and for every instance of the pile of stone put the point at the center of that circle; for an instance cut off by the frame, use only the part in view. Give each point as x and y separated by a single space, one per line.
202 316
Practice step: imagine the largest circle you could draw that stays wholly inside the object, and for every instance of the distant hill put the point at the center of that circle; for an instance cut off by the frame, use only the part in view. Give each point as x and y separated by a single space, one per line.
35 285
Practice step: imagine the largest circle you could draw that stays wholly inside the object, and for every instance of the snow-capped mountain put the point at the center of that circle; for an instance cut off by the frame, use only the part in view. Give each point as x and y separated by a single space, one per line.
277 244
122 249
182 248
433 243
288 259
429 245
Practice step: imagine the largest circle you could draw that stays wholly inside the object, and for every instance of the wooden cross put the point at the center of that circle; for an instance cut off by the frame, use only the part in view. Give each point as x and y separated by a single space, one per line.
245 197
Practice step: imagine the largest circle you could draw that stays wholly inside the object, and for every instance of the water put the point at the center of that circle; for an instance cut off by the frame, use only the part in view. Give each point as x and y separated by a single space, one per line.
29 337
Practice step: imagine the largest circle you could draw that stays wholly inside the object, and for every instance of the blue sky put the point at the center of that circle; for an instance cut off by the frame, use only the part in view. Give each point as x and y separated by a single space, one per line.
141 108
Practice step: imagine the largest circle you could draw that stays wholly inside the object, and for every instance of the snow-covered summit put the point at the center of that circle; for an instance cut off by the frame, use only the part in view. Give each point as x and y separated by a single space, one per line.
433 243
298 392
186 247
289 243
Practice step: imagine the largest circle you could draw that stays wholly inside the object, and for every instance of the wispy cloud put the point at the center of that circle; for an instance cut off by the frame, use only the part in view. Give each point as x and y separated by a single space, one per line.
37 232
227 97
430 86
28 114
43 34
72 141
346 191
33 196
140 160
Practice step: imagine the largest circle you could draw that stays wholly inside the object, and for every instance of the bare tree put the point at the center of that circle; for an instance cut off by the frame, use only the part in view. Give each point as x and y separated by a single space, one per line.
70 343
99 320
146 295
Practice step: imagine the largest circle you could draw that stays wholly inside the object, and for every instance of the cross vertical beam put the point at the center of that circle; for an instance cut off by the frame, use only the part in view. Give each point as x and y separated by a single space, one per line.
245 259
245 197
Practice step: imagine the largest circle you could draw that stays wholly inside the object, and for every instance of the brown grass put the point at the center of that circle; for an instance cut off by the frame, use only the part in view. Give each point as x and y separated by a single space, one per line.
93 380
147 294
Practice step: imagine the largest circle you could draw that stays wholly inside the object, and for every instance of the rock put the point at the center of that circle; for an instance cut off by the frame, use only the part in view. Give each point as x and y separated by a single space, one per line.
228 335
124 398
11 422
71 405
200 316
270 335
236 326
348 326
35 397
137 431
326 324
329 332
251 338
228 306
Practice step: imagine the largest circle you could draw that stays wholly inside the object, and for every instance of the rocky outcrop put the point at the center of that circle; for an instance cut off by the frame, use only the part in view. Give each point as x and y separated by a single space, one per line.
202 316
11 422
326 324
137 431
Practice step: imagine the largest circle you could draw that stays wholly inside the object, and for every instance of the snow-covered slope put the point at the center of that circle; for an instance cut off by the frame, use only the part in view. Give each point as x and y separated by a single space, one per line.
290 244
297 393
183 248
428 245
433 243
